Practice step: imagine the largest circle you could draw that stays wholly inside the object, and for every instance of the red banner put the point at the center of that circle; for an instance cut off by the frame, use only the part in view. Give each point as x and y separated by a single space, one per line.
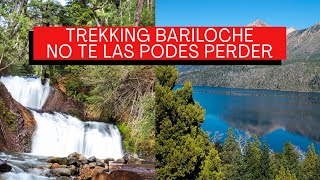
159 43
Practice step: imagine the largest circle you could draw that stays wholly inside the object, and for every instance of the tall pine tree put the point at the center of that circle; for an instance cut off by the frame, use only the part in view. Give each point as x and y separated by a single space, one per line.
211 167
181 144
310 165
231 157
290 159
252 159
267 163
285 174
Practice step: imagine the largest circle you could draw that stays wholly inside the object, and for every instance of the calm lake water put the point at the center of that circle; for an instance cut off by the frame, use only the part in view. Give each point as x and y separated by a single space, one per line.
275 116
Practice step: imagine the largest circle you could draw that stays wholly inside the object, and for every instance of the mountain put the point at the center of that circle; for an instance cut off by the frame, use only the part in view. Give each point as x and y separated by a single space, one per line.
304 44
290 30
258 23
300 72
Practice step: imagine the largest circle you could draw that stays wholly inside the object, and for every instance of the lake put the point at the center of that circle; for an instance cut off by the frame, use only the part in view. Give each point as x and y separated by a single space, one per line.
276 117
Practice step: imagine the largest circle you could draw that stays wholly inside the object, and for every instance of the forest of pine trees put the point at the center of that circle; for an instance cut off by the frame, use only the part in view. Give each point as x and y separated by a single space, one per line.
184 151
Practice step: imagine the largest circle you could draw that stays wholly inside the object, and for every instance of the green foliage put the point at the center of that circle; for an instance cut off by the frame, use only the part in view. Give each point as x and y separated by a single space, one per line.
252 159
231 157
180 141
104 13
310 165
268 166
74 89
14 28
18 18
166 76
211 166
6 115
76 14
290 159
127 141
142 130
148 14
285 174
105 82
122 94
44 13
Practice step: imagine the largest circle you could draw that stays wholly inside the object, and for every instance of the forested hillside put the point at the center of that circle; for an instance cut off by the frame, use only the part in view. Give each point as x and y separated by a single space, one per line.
300 72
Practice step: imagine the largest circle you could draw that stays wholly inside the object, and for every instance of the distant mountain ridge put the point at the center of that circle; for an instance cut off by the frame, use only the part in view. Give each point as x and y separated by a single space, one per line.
300 72
304 44
290 30
258 23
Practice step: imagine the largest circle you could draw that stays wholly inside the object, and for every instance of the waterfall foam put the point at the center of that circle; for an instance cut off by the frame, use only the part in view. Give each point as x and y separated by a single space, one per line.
29 92
59 134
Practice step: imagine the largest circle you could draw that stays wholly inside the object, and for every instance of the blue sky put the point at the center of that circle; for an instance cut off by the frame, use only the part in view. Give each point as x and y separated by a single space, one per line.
291 13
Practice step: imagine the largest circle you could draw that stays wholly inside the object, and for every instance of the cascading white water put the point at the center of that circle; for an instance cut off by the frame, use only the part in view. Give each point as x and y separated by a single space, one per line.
59 134
29 92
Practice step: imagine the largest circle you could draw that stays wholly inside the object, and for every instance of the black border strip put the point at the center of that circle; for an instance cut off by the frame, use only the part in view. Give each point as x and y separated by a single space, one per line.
144 62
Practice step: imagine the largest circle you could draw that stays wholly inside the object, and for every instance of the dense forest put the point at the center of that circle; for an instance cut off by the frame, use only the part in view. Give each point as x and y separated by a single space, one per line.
118 94
185 151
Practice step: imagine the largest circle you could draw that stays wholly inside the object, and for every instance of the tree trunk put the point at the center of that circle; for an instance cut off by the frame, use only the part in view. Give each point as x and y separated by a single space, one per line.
51 71
43 73
137 16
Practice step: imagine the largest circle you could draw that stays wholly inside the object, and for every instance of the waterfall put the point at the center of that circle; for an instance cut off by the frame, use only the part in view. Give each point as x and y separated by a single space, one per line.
58 134
27 91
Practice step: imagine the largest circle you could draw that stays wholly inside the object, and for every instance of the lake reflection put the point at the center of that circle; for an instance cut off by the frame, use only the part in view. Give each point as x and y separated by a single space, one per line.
275 116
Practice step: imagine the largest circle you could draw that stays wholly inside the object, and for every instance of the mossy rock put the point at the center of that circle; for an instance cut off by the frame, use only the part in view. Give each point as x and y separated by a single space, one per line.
6 115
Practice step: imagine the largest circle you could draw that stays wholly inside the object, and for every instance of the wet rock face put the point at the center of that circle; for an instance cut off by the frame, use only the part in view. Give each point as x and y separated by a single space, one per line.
17 124
4 167
59 102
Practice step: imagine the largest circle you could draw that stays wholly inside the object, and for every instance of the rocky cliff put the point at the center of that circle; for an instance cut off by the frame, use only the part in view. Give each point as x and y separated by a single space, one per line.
58 101
16 124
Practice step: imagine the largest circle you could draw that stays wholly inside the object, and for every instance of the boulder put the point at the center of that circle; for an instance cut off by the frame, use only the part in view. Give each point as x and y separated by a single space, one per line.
130 158
55 165
72 161
92 159
17 124
101 176
92 164
62 172
85 172
75 155
96 170
118 175
4 167
81 158
58 160
63 178
88 172
100 163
